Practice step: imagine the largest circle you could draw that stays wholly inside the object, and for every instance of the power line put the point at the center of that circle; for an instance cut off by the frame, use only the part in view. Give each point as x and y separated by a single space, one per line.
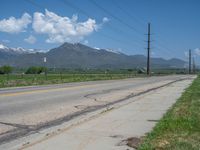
161 49
85 13
104 35
115 17
161 46
35 4
88 15
140 21
164 47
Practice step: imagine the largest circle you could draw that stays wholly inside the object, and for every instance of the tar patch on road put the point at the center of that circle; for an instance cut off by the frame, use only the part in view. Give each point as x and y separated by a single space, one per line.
22 130
132 142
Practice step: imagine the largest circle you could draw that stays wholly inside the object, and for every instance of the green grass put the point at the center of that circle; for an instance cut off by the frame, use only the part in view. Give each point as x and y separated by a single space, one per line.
179 129
27 80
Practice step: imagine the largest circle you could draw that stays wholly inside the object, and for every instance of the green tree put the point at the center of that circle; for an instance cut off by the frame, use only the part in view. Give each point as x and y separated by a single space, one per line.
32 70
1 70
130 70
35 70
6 70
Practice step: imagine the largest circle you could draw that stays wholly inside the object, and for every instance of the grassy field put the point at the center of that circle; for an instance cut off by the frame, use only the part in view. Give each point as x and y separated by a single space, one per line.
62 75
179 129
40 79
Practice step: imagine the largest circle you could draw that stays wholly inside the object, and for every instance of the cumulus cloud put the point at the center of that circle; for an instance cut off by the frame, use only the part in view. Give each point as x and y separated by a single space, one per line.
186 54
31 39
13 25
105 19
62 29
197 51
153 53
6 41
86 42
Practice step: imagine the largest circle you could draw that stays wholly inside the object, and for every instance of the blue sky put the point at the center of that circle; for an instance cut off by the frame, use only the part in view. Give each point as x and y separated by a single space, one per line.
46 24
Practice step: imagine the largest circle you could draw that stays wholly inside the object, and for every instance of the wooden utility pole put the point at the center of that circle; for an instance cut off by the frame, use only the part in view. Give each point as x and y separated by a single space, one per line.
148 49
193 66
190 54
45 67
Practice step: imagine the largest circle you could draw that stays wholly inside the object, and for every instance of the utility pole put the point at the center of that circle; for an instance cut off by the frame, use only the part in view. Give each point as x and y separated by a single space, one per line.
190 54
148 49
193 67
45 67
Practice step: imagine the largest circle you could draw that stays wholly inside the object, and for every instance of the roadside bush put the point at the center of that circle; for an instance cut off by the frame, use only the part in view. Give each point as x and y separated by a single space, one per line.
35 70
140 71
1 71
6 69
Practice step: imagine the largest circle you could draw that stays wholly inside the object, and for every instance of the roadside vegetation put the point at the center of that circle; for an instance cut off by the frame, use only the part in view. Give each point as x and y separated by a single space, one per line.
40 79
38 75
179 129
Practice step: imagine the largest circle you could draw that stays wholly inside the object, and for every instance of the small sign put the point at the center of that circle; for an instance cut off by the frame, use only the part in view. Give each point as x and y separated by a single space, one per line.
45 59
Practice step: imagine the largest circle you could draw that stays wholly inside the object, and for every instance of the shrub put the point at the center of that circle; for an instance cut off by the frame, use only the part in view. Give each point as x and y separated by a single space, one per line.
35 70
6 69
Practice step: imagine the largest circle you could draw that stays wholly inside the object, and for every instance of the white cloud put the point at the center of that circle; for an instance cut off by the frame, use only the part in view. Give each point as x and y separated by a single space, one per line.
31 39
197 51
62 29
105 19
13 25
5 41
153 53
86 42
186 54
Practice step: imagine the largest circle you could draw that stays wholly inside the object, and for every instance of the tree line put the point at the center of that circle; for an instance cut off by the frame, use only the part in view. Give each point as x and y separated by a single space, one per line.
6 69
31 70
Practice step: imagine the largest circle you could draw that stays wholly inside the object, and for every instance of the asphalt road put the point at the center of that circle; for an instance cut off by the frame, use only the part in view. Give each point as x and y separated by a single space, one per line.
26 107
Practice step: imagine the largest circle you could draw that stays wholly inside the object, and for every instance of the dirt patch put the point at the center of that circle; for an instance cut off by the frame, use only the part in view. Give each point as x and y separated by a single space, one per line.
162 144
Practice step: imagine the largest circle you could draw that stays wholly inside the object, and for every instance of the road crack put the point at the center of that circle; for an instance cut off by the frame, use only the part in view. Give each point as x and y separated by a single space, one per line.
24 130
91 95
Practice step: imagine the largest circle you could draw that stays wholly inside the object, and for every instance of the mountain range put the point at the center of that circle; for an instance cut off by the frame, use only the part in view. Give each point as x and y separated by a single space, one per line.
77 55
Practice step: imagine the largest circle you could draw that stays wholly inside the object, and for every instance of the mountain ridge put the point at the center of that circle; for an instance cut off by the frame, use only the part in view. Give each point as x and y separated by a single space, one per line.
77 55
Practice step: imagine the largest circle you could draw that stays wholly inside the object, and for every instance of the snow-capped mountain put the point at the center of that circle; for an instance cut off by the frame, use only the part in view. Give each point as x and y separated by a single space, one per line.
113 51
3 47
108 50
77 55
18 50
